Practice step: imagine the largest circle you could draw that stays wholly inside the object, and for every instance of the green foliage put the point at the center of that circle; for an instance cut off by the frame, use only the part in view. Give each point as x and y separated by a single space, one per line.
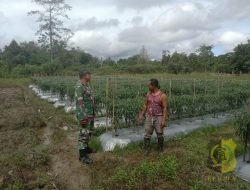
165 168
43 180
205 55
98 131
133 147
241 58
197 185
95 143
70 118
189 98
178 63
16 186
51 68
242 124
189 171
30 59
3 69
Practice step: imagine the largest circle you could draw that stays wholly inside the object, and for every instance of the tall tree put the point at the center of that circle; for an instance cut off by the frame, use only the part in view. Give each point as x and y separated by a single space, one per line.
143 56
165 57
178 63
51 29
241 58
13 56
205 55
223 63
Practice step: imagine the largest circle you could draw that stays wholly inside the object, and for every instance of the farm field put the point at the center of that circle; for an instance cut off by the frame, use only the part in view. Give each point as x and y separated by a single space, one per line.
121 97
37 151
120 132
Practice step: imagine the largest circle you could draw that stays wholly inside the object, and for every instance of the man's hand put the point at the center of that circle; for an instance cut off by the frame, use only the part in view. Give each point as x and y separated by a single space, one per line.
140 118
84 121
163 124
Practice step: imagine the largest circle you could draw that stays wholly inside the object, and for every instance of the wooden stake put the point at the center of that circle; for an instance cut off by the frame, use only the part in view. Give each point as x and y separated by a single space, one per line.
170 87
107 95
194 90
218 87
113 96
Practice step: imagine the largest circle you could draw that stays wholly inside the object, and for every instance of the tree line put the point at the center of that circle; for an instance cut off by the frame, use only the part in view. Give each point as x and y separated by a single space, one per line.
50 55
204 60
30 58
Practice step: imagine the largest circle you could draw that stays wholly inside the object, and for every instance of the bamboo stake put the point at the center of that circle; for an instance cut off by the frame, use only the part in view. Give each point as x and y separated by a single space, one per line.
194 90
218 87
113 97
107 94
205 88
170 87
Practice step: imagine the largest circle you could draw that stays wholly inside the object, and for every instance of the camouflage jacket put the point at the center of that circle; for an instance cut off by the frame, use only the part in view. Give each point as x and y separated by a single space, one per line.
84 101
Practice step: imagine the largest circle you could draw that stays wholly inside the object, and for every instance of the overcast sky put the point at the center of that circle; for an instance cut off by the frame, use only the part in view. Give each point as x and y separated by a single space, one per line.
119 28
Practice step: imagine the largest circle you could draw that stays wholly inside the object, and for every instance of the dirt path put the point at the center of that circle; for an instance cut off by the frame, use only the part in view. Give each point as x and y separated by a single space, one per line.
25 132
65 166
70 172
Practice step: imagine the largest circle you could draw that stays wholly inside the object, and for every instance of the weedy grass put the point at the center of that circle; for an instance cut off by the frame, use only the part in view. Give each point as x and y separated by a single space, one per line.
59 135
23 156
95 143
183 166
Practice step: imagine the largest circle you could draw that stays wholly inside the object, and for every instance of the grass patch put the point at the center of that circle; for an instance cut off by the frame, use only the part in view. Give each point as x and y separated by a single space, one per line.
44 180
33 139
98 131
42 157
183 166
95 143
70 119
16 186
4 82
147 171
59 136
130 148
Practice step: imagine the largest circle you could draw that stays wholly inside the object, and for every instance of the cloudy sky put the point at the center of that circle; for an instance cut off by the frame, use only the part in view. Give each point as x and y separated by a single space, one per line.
119 28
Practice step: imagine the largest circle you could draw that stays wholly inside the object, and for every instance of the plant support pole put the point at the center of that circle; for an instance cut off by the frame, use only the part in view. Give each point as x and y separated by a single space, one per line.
107 95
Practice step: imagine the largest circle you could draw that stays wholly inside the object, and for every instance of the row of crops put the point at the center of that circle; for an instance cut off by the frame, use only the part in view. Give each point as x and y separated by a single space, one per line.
122 98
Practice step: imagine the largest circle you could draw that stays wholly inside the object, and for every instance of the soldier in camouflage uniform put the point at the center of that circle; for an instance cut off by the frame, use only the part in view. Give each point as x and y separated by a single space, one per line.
85 115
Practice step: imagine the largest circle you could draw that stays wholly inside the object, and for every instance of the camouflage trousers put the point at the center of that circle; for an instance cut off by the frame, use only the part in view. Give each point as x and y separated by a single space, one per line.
84 134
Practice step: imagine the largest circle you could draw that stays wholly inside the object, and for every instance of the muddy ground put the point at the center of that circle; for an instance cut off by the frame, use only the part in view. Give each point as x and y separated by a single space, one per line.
36 152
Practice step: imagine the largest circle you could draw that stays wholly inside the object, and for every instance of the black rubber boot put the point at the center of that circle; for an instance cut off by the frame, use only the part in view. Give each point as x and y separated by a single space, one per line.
160 144
146 146
84 157
90 150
